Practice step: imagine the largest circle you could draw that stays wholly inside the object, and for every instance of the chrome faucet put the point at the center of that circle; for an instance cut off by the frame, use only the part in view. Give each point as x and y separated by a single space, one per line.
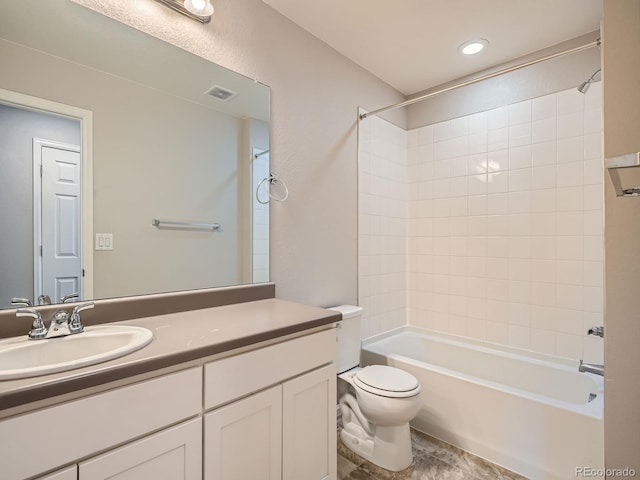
44 300
591 368
597 331
62 324
38 330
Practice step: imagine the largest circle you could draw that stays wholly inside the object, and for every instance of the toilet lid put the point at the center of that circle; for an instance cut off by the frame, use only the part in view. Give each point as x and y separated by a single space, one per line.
387 381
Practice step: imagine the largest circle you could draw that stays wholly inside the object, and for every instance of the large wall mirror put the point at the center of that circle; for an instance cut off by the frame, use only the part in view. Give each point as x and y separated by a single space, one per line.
127 165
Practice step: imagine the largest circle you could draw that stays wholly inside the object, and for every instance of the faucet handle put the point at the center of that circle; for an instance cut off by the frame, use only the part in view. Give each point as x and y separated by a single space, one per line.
21 302
75 323
67 298
83 306
38 330
597 331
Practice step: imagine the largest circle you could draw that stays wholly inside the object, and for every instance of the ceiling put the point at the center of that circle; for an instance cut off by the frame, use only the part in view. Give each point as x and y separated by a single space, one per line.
412 44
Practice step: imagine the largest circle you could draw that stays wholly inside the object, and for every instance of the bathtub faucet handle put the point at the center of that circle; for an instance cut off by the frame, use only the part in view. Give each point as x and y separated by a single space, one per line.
598 331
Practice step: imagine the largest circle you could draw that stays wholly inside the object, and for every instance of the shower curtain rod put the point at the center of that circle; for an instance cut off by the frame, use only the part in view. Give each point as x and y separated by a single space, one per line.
595 43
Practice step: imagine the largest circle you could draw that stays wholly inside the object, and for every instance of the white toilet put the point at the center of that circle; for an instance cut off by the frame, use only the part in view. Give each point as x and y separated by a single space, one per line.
379 403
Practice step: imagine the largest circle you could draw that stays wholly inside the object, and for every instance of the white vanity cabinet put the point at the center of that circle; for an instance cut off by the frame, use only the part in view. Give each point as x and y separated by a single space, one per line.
243 440
69 473
262 414
47 439
172 454
286 431
309 448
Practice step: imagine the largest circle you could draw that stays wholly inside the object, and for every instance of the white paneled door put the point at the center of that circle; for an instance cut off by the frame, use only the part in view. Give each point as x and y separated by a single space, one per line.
58 265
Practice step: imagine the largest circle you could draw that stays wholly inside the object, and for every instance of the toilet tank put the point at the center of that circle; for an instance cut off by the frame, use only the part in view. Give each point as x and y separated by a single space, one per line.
348 336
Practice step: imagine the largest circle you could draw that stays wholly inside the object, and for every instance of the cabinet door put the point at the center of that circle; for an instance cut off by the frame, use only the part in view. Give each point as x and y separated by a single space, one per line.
172 454
243 441
70 473
309 446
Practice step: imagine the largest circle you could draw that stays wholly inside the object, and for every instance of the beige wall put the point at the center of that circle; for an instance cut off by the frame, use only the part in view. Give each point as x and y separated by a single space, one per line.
530 82
621 82
315 96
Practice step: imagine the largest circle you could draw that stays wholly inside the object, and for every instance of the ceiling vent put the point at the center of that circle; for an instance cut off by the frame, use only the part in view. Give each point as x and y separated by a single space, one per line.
221 93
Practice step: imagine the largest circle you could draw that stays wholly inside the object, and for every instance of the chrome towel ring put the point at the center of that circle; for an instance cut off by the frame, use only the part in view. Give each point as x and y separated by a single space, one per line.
267 182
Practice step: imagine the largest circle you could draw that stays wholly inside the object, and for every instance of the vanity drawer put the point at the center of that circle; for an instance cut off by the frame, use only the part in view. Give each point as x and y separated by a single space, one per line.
237 376
40 441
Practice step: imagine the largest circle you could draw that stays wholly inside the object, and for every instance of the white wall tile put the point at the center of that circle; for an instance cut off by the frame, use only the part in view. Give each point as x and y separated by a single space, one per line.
569 223
543 107
478 122
498 139
519 336
460 127
497 204
543 200
593 97
425 135
498 225
570 272
476 164
570 125
520 135
593 146
543 223
520 113
498 160
570 174
570 101
441 131
543 341
593 274
593 172
544 130
478 143
502 213
498 118
519 180
543 153
543 177
477 184
593 121
571 149
570 198
520 157
477 205
519 202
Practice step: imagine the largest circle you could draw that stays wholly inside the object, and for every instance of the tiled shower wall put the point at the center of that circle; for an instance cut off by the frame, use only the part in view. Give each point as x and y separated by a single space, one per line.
503 224
382 259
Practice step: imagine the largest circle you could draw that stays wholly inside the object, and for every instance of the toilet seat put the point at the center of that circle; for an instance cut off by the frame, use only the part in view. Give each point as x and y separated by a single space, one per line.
386 381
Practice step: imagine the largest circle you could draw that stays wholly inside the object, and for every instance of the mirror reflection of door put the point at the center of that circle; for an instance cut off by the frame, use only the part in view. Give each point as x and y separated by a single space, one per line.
29 138
57 261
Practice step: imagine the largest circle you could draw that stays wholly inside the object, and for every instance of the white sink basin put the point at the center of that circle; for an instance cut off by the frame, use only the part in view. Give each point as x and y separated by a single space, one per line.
21 357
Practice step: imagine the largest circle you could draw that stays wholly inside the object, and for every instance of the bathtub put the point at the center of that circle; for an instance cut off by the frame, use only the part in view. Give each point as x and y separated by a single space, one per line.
532 413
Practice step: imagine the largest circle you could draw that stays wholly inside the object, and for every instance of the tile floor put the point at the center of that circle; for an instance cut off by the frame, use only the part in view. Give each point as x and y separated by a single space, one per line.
433 460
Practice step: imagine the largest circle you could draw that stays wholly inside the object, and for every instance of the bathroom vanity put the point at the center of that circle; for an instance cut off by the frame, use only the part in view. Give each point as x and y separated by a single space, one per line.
243 391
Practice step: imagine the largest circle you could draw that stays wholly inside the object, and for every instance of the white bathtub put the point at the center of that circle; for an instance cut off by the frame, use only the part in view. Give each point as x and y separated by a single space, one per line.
528 412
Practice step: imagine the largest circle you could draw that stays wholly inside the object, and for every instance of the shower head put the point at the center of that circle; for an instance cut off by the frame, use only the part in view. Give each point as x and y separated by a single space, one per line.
584 86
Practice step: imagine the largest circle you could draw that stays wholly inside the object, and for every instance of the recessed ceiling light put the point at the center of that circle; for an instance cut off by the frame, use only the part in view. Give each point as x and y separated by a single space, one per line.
473 46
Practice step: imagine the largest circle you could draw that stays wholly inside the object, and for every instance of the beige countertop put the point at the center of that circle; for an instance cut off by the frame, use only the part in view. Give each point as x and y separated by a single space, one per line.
178 339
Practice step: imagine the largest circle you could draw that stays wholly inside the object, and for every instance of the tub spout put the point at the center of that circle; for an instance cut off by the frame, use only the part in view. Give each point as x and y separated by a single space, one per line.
591 368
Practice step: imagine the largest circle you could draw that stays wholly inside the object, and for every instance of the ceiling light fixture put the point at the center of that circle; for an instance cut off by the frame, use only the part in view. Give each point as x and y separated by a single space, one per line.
473 46
200 10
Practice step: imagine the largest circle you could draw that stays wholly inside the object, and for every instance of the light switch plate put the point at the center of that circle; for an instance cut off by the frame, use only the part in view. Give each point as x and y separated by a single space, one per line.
104 241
